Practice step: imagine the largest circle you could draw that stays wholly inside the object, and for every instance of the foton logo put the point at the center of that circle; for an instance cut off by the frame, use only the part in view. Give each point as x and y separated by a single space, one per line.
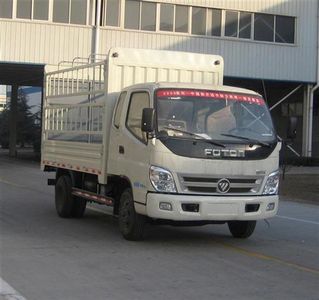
223 186
224 153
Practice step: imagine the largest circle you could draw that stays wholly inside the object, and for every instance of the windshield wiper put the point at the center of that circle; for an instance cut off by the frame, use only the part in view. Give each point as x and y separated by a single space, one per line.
197 136
256 142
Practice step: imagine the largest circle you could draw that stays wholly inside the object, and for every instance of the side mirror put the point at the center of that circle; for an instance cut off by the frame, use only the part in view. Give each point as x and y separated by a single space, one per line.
292 128
148 120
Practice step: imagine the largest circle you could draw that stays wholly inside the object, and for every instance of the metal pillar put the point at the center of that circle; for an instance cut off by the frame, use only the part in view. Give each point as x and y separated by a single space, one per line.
13 121
307 122
96 31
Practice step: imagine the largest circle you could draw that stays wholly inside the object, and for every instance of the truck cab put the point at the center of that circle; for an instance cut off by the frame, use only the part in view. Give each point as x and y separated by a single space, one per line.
210 154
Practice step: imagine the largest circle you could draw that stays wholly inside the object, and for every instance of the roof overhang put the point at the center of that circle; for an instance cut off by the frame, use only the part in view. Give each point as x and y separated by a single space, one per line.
21 74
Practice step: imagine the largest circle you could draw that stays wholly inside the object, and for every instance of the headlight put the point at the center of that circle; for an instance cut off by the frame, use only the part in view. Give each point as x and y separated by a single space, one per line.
272 184
162 180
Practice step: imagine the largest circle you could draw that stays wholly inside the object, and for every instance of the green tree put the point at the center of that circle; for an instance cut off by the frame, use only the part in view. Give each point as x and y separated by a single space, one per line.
28 132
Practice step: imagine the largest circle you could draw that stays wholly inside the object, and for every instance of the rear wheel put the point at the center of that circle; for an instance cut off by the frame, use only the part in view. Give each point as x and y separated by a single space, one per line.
131 223
64 201
79 206
241 229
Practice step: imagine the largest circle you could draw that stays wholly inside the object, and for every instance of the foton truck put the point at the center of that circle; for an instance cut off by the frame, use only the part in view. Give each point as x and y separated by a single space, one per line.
156 135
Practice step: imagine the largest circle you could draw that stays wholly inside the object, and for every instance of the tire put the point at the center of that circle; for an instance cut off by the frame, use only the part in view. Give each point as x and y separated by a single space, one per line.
79 206
64 201
131 224
241 229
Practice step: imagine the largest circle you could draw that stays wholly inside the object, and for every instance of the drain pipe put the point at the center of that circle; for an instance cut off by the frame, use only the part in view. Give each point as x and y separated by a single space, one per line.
96 31
315 87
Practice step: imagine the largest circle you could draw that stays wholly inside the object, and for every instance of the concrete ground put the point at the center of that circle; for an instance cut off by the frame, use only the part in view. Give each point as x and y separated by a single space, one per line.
46 257
301 184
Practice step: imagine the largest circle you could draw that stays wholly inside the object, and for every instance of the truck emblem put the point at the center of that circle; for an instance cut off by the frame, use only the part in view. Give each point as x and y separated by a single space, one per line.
225 152
223 185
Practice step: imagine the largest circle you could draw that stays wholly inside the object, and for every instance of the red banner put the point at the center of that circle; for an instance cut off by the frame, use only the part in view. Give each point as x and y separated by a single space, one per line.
211 95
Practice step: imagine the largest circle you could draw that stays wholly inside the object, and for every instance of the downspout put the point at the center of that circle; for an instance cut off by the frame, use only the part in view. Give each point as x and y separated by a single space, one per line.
316 86
96 31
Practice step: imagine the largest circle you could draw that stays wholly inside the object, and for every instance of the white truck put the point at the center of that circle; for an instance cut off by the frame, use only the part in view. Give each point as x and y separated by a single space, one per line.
156 135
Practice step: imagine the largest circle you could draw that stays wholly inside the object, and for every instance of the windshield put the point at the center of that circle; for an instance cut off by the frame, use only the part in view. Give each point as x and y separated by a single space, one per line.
214 115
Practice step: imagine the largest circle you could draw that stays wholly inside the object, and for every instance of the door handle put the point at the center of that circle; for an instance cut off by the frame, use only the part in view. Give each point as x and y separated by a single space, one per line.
121 149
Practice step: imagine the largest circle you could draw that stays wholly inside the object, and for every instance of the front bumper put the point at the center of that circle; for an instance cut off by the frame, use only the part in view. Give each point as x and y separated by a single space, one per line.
211 208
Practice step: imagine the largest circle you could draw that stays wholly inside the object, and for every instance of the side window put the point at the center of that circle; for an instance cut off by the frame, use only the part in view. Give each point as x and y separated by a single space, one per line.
138 101
118 111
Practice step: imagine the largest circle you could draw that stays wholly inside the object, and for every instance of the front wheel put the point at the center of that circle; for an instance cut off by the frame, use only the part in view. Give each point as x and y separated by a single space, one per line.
241 229
64 201
131 223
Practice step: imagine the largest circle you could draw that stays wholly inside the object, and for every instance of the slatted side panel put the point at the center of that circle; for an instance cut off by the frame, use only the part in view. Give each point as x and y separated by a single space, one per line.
60 154
80 80
80 123
73 138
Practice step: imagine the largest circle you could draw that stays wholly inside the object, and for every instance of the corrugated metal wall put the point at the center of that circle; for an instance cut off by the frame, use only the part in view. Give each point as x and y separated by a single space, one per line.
37 42
242 59
249 59
25 41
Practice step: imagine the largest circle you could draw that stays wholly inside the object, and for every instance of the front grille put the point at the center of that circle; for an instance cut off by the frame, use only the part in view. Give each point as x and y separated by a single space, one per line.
239 185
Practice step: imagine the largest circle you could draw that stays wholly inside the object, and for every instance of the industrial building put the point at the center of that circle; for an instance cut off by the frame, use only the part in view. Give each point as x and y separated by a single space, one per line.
270 46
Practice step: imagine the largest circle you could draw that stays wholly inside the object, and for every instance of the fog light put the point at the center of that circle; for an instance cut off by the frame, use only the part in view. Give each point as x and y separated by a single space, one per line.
165 206
270 206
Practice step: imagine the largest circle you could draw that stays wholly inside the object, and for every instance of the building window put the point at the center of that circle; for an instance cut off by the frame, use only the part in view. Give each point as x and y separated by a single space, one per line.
285 30
199 21
61 11
132 14
70 11
112 12
41 10
264 27
181 18
6 9
238 24
24 9
174 18
216 16
167 17
140 15
148 16
231 23
30 9
245 25
78 12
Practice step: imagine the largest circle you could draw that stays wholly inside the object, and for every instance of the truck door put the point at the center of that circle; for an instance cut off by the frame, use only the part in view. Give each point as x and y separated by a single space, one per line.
132 145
